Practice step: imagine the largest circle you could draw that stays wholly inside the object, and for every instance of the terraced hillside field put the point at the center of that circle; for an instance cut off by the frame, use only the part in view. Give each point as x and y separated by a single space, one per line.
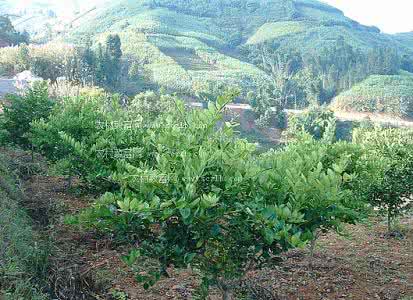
187 59
379 94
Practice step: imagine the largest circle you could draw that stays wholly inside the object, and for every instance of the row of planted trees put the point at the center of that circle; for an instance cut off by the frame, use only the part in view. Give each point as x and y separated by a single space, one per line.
179 186
82 65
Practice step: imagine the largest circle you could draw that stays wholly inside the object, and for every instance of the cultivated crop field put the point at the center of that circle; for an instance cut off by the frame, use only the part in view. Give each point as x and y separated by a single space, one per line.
363 265
382 94
157 200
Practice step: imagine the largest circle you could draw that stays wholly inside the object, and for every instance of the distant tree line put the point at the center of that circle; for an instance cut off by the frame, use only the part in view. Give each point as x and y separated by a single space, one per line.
101 66
300 79
315 78
9 35
83 65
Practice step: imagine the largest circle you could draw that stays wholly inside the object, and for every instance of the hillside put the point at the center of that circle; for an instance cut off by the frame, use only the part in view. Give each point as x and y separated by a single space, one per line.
44 18
405 38
381 94
158 35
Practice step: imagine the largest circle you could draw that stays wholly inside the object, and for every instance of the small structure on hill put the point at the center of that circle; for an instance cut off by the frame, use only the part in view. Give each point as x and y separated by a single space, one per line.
24 79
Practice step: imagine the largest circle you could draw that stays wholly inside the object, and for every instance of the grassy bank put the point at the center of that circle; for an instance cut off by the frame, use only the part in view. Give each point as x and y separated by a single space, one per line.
23 258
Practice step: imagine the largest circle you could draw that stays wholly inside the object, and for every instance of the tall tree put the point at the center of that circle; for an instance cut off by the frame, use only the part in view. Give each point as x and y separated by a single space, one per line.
88 64
112 60
100 66
23 59
9 35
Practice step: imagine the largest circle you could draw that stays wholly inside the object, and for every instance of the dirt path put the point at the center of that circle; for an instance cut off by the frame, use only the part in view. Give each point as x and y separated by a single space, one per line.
365 266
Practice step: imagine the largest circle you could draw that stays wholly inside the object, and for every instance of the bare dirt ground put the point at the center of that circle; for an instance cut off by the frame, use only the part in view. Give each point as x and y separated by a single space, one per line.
365 265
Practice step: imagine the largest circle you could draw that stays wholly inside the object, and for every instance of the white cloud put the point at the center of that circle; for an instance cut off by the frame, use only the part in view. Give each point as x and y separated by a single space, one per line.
390 16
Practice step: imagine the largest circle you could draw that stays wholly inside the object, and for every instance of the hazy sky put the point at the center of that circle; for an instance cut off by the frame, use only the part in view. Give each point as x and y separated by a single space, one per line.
390 16
62 7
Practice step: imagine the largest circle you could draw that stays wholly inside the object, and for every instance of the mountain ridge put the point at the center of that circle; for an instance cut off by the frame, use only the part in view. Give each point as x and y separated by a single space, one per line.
210 29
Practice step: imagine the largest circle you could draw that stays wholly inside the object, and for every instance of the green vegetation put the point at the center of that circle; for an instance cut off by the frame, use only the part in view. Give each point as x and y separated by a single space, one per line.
9 35
196 191
301 79
271 31
176 187
23 261
80 65
319 122
179 187
381 94
392 186
173 40
186 180
22 111
184 45
81 122
47 61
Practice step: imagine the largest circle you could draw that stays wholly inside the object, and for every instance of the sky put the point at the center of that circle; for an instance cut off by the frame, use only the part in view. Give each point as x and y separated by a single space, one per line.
391 16
61 7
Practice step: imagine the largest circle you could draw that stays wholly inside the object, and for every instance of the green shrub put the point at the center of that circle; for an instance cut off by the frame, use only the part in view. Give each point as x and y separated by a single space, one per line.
198 196
196 203
317 121
87 135
21 111
312 177
80 135
391 151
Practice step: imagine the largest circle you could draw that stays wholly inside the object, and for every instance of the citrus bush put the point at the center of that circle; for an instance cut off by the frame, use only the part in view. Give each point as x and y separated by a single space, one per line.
196 202
81 135
200 197
392 187
318 121
306 176
21 110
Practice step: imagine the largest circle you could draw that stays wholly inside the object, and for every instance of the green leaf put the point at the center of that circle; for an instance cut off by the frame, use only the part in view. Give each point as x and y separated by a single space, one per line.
131 258
134 205
199 244
215 230
188 258
185 212
269 236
